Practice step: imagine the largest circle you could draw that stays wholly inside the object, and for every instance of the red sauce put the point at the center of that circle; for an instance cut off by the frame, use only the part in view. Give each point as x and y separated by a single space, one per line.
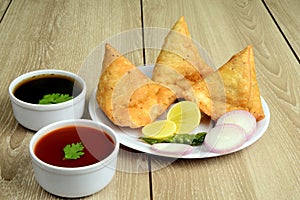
98 145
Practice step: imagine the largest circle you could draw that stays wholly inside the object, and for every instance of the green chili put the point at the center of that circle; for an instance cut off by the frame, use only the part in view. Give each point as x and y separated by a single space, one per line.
190 139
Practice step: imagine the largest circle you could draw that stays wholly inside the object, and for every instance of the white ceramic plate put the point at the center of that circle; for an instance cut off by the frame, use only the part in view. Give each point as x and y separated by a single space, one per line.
129 137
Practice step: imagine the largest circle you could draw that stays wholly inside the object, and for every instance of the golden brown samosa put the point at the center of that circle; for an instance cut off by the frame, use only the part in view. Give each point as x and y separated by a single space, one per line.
232 87
127 96
179 63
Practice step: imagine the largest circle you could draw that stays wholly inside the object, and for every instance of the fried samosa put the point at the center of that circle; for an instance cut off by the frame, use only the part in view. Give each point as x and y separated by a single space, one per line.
127 96
232 87
179 63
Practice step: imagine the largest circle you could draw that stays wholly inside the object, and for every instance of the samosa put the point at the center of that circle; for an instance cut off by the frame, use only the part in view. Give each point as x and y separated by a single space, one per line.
179 64
232 87
127 96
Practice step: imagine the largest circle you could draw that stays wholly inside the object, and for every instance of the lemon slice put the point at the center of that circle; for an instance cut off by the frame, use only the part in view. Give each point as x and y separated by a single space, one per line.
186 115
159 129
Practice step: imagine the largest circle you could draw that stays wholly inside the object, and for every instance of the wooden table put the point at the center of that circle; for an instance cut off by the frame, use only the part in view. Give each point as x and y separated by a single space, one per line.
61 34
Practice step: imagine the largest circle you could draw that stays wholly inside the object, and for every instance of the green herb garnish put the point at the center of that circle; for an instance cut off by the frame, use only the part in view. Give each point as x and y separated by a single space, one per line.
55 98
190 139
73 151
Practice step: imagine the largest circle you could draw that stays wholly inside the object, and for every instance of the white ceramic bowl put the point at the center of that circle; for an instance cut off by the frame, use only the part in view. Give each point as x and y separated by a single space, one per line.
36 116
76 181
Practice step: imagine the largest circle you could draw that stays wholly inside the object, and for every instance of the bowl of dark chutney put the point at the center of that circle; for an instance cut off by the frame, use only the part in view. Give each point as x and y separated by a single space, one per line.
42 97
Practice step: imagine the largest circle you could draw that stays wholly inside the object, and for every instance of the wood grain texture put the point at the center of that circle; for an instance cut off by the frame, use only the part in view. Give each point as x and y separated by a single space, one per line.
269 169
70 34
287 16
3 7
61 34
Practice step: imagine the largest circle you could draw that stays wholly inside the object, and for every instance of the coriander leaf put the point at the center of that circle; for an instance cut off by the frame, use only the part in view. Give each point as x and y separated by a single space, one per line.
55 98
73 151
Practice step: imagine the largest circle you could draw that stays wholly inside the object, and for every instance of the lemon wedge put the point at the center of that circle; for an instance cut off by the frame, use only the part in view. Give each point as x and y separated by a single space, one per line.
159 129
186 115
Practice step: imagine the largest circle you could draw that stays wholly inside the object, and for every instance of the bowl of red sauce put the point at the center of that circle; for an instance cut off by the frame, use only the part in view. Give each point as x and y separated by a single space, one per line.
74 158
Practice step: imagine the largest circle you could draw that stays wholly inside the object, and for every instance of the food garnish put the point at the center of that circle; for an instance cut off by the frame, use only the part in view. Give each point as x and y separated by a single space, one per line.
182 118
241 118
186 115
159 129
55 98
185 138
224 138
73 151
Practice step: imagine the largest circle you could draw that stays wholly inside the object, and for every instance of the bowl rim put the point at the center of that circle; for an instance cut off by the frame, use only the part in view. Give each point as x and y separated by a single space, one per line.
70 170
46 107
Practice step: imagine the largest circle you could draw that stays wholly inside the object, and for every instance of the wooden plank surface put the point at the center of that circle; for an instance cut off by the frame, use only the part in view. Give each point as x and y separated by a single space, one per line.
4 4
287 16
62 35
269 169
70 35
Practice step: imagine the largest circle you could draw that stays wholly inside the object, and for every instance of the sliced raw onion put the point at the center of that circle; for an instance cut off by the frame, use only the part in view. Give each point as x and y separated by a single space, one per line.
172 148
241 118
224 138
